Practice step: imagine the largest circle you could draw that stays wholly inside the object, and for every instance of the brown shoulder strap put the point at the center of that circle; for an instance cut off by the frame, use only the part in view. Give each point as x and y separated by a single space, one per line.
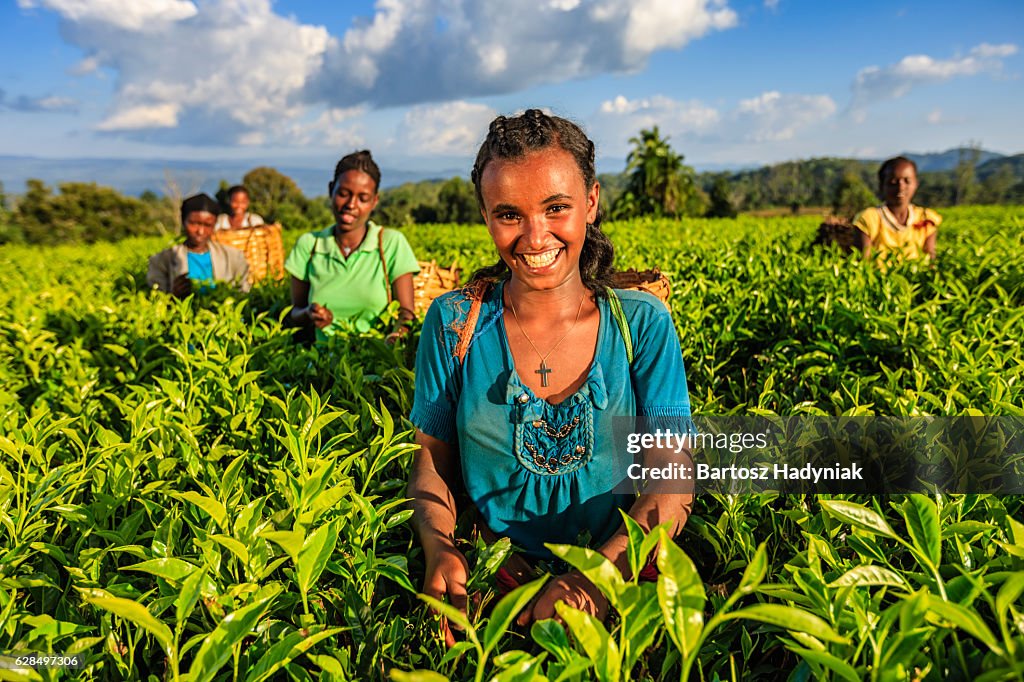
475 292
384 263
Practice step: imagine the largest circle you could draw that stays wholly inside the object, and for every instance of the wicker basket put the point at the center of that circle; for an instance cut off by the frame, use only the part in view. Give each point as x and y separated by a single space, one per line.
432 281
262 246
651 281
836 232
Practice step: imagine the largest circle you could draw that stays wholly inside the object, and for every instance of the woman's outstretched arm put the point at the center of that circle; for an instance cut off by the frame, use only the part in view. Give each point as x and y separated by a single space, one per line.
434 472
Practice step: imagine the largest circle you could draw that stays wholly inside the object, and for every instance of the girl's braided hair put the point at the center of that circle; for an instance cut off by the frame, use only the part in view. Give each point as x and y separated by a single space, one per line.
516 136
360 161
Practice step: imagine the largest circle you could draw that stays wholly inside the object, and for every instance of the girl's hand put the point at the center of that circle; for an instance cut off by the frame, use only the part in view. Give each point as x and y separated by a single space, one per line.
320 316
447 575
181 286
571 588
400 332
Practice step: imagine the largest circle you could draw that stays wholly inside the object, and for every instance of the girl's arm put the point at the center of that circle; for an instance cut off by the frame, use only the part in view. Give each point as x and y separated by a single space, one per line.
431 480
929 245
302 312
402 290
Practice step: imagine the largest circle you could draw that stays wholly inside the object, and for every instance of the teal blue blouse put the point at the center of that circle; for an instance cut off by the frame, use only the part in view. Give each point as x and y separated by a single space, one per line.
539 472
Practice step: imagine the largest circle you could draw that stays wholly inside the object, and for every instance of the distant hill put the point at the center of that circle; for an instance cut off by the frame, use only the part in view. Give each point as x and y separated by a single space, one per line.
1015 163
135 176
945 161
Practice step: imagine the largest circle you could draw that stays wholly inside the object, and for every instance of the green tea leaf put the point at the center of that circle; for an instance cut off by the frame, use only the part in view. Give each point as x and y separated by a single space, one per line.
171 569
595 567
862 576
922 518
680 594
217 646
790 618
507 609
858 516
316 550
830 662
756 570
595 640
966 620
133 612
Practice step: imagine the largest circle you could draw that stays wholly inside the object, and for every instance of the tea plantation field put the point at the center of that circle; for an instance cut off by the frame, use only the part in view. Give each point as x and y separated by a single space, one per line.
185 494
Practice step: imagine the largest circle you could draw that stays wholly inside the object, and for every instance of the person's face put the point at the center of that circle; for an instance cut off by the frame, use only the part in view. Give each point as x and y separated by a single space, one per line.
353 198
899 185
199 226
239 203
537 209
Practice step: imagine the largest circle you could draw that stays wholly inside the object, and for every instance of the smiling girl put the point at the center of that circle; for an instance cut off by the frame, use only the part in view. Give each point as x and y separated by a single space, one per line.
520 374
353 269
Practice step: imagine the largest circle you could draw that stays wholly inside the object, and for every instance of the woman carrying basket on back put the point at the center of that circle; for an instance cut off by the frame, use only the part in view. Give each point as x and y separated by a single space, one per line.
520 374
353 269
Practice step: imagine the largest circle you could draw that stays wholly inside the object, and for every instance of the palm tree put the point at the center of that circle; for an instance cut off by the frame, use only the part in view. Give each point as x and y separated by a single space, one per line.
659 183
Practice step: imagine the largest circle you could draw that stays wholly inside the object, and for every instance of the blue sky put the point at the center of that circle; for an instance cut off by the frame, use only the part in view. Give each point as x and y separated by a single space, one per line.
296 81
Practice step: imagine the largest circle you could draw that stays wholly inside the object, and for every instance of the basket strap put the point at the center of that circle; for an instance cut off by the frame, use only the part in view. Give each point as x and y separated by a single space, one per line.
476 293
384 263
615 303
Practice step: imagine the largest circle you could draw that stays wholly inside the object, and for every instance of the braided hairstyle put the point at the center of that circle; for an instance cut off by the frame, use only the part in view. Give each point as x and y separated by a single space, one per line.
533 130
360 161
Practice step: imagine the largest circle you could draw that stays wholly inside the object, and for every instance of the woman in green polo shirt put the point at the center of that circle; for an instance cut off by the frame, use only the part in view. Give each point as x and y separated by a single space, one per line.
353 269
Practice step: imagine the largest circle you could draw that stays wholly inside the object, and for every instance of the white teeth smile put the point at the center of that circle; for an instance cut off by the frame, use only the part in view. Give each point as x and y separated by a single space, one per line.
540 260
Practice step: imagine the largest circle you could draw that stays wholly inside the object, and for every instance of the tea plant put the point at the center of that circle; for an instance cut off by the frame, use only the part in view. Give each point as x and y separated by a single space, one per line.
186 494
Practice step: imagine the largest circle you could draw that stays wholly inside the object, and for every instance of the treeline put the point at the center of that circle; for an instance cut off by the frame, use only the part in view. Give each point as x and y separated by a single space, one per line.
656 182
87 212
818 182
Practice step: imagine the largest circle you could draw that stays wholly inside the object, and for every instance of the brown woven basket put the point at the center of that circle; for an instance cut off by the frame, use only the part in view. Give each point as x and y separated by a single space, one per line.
432 281
262 246
651 281
836 232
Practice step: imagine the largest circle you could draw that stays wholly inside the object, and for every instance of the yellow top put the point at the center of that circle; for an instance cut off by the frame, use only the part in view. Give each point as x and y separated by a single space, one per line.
887 235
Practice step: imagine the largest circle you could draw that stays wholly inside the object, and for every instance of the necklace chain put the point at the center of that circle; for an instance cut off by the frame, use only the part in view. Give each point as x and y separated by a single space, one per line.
544 356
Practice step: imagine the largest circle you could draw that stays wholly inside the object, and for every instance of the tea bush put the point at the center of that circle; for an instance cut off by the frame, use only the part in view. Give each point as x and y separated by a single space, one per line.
185 494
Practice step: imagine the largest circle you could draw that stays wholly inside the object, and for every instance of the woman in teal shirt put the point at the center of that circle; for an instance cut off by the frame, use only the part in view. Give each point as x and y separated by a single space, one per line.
519 376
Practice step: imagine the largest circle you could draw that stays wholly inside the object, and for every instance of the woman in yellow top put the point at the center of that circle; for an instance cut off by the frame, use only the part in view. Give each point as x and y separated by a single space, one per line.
898 226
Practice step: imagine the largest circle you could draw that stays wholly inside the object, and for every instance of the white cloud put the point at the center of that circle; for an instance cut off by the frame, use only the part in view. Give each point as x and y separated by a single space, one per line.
46 103
436 50
333 127
229 72
619 118
876 83
142 117
133 15
232 73
450 129
937 117
773 116
656 24
985 50
769 117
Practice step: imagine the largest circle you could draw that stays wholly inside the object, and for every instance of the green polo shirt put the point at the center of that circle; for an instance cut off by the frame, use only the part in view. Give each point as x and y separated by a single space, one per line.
351 288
